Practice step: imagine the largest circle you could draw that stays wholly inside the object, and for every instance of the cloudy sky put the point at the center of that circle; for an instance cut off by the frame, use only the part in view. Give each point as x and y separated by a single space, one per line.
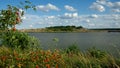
86 13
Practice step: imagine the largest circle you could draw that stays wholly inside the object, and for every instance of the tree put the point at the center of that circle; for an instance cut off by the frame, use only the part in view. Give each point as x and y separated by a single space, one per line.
8 35
12 15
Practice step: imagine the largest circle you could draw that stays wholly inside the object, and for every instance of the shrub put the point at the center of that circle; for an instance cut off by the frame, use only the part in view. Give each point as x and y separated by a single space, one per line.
17 39
72 49
30 59
93 52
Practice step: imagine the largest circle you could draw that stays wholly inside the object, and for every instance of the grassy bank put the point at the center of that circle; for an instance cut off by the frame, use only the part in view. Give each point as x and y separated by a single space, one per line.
70 57
62 29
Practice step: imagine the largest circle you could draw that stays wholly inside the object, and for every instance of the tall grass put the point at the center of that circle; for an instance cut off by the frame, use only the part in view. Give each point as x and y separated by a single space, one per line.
71 57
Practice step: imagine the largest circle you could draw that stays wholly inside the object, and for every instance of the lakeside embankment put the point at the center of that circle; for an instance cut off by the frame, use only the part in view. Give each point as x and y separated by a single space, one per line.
70 29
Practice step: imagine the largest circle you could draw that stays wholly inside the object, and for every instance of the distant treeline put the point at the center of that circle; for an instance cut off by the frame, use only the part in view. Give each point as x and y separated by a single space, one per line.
64 28
108 29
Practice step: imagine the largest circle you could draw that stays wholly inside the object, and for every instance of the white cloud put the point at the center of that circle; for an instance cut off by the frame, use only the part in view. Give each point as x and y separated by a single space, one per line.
102 1
91 25
99 21
69 15
100 5
31 26
87 21
97 7
75 14
69 8
116 17
47 8
39 23
115 10
109 4
115 7
94 16
51 17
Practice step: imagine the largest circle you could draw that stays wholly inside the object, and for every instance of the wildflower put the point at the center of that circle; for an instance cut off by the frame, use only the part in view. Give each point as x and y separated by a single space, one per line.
18 59
17 13
32 53
37 66
56 66
19 65
48 52
18 19
48 65
47 60
3 58
37 57
14 29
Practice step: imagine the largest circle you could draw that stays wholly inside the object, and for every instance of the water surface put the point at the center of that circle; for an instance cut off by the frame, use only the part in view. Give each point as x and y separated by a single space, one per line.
102 40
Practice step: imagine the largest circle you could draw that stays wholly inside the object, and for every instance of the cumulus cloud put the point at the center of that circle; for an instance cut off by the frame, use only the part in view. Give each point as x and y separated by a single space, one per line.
94 16
50 17
47 8
116 17
39 23
87 21
102 1
109 4
31 26
115 7
100 5
69 8
91 25
115 10
97 7
36 21
69 15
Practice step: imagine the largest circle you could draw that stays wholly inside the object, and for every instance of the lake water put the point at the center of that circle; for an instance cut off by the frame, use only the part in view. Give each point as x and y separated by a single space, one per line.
102 40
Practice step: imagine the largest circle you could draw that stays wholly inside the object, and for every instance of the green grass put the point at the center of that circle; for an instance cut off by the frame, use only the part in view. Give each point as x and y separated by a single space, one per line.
70 57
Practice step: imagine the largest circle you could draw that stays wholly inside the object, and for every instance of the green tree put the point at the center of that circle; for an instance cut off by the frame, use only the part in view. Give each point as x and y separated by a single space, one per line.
9 36
12 15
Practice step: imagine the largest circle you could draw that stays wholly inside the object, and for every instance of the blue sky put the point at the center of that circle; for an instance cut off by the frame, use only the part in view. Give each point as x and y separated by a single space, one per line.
86 13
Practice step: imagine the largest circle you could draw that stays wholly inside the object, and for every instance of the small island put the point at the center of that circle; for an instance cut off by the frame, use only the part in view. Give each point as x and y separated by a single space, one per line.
64 29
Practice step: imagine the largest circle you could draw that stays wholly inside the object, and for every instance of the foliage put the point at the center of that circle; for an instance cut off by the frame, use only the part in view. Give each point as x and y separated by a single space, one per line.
63 28
85 60
19 39
14 58
8 19
30 59
93 52
12 15
72 49
16 53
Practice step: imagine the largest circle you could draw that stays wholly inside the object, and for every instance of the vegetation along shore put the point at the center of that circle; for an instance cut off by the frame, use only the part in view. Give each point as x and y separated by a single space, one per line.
20 50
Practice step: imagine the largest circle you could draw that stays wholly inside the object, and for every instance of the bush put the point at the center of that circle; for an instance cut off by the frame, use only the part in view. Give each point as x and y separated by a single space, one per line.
93 52
17 39
30 59
72 49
